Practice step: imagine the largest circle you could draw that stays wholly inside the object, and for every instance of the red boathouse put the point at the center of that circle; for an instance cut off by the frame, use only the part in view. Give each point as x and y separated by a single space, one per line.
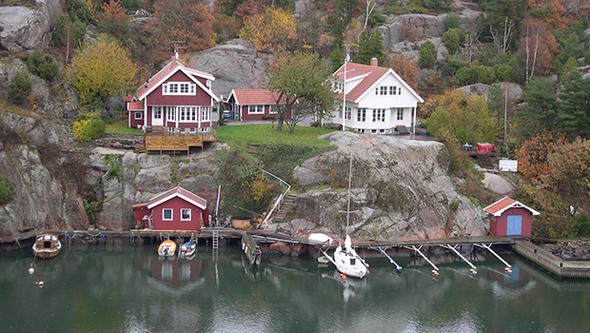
509 217
175 209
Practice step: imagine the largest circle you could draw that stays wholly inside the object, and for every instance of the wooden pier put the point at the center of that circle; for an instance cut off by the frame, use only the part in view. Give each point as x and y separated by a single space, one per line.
176 139
552 263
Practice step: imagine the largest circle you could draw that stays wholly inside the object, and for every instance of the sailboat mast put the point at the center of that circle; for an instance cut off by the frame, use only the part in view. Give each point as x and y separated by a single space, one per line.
349 186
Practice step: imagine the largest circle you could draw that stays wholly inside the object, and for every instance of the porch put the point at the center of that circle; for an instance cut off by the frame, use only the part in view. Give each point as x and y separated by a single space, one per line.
177 139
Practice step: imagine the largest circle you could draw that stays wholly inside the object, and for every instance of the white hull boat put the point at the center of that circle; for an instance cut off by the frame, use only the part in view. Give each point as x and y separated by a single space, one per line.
347 261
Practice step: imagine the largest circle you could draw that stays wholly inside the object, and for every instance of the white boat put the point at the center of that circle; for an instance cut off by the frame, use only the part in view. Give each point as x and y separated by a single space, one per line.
187 249
167 248
46 246
319 238
347 261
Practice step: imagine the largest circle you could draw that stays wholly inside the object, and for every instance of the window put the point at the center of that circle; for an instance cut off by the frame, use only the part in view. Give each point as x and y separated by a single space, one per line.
167 214
399 90
272 108
185 214
178 88
391 90
256 109
400 114
157 110
170 113
187 113
377 91
138 115
347 113
205 113
383 90
361 115
378 115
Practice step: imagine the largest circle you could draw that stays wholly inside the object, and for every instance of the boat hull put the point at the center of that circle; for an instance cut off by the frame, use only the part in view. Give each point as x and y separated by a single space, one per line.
188 249
46 246
167 248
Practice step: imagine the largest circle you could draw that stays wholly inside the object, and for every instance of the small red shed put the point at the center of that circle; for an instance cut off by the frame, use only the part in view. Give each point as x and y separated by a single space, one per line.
509 217
175 209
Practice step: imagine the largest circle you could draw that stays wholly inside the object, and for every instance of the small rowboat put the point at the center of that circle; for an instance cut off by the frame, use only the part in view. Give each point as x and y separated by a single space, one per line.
188 249
167 248
46 246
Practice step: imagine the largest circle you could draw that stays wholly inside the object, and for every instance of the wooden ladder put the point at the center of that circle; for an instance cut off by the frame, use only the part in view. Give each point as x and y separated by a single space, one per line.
215 239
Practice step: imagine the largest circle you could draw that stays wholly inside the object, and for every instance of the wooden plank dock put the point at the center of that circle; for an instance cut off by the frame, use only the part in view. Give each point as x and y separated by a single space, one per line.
161 139
552 263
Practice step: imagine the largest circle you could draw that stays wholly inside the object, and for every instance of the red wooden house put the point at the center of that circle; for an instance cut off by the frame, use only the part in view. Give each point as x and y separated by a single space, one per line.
175 209
176 97
252 104
509 217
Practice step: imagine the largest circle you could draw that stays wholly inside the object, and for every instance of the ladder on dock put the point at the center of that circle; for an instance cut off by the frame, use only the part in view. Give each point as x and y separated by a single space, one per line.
215 239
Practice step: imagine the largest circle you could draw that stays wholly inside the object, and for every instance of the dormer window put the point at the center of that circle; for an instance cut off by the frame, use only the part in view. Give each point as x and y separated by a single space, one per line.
178 88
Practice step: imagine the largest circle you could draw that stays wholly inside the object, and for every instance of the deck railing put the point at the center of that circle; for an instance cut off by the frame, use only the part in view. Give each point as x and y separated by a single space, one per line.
177 139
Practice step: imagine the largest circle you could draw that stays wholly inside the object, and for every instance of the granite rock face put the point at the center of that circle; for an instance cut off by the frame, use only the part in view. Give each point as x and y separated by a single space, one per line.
25 28
400 190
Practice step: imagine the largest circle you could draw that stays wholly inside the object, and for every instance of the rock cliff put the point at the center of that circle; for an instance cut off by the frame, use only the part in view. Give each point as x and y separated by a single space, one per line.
400 190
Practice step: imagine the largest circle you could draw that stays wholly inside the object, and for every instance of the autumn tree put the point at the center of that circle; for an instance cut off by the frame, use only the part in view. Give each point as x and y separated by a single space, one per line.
538 47
185 23
406 68
533 154
555 13
273 30
100 70
301 81
114 18
466 117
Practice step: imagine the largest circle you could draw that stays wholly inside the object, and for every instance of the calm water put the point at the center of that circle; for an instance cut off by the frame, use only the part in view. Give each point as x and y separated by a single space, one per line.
131 290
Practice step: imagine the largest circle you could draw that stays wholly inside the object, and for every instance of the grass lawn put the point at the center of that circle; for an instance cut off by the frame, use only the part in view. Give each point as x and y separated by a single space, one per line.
241 136
120 127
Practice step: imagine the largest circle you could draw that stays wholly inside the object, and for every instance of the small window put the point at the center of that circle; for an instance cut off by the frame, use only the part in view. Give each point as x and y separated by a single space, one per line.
138 115
383 90
392 90
167 214
185 214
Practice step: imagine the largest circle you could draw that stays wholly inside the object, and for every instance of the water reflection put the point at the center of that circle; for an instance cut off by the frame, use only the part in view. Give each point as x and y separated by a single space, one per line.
132 290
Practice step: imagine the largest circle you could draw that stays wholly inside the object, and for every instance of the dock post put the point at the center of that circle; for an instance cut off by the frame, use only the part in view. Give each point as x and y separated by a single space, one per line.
417 250
508 268
454 249
382 250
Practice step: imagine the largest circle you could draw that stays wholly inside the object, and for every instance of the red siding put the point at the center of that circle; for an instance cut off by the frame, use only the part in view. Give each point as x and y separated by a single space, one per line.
499 224
136 123
176 204
156 97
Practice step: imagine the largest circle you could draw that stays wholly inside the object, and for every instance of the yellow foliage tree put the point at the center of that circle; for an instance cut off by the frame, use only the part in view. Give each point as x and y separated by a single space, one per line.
273 30
260 188
101 69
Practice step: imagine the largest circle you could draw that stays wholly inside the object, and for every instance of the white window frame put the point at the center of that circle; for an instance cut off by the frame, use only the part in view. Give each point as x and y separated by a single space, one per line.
272 109
378 115
182 211
157 111
138 115
255 109
164 214
205 113
170 113
178 88
348 113
400 114
383 90
361 115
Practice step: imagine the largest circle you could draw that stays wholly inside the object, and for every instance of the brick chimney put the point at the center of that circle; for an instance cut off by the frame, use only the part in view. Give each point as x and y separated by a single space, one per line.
374 62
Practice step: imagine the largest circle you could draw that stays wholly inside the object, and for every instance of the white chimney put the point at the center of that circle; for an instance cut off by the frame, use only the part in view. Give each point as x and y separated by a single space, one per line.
374 62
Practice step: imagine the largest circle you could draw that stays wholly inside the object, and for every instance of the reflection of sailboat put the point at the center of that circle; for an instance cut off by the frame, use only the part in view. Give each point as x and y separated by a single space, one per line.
351 286
346 260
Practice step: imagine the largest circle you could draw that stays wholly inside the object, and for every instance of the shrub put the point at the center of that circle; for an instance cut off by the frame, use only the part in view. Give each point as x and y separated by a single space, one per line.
452 64
427 55
451 21
20 87
43 65
582 225
452 39
465 76
484 74
6 190
88 129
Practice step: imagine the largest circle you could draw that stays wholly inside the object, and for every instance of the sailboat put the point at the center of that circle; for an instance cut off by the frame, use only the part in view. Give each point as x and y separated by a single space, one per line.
346 260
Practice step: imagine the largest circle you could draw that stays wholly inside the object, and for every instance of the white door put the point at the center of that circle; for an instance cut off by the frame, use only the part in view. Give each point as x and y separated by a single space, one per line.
157 119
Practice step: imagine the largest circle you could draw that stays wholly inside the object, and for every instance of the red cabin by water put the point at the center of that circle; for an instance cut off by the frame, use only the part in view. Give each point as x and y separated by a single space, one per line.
175 209
509 217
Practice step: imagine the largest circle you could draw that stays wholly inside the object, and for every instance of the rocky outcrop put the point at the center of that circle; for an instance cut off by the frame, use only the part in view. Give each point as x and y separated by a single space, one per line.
25 28
400 190
513 90
235 64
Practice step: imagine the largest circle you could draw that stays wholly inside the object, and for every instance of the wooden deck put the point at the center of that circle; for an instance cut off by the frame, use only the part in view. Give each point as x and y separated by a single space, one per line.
552 263
166 139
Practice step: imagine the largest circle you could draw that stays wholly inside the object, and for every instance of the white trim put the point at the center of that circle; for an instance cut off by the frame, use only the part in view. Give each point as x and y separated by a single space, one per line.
187 73
171 214
189 214
173 195
515 204
397 77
